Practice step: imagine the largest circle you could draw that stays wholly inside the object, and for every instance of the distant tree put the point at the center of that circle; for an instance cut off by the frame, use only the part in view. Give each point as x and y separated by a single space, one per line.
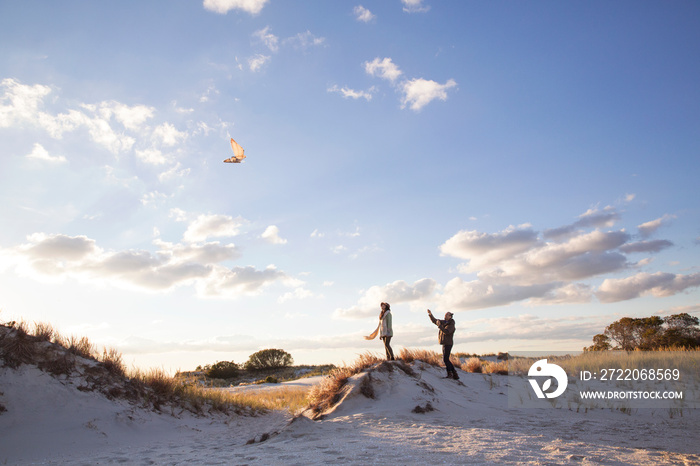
269 359
222 370
621 332
636 333
649 333
682 330
601 342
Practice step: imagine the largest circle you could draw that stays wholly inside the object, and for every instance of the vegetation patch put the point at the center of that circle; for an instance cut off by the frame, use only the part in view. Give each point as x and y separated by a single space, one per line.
423 409
77 360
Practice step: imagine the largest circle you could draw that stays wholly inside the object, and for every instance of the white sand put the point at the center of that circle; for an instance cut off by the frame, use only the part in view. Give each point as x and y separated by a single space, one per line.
51 422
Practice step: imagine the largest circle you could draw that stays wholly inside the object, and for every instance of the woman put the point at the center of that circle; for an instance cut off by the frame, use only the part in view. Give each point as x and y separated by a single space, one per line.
386 332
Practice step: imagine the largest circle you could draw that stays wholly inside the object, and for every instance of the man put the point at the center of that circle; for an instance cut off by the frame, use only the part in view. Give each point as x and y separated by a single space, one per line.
447 330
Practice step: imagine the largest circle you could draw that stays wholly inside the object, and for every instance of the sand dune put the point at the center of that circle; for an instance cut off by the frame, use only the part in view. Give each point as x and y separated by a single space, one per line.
383 415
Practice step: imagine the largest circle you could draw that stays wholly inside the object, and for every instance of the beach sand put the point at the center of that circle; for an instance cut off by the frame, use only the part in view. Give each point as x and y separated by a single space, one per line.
412 419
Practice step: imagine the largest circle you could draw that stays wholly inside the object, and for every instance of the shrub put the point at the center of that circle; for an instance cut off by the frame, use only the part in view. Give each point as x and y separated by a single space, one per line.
269 359
222 370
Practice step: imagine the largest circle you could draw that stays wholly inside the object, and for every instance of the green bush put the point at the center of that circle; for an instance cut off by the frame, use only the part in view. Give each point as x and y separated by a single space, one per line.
222 370
269 359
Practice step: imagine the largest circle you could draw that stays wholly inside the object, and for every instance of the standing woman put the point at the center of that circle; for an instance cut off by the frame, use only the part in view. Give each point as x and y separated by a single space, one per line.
385 331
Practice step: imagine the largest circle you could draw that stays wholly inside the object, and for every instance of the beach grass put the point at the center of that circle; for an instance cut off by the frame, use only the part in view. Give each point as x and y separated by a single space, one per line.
43 346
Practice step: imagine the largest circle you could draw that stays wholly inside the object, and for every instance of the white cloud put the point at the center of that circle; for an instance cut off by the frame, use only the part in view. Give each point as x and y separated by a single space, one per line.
270 40
646 246
304 40
112 125
393 293
257 62
20 103
521 265
208 252
298 293
525 327
363 14
60 257
39 153
131 117
591 218
272 235
207 95
383 68
485 249
462 295
353 94
151 156
176 171
238 281
414 6
217 225
417 93
153 198
168 135
648 228
224 6
658 284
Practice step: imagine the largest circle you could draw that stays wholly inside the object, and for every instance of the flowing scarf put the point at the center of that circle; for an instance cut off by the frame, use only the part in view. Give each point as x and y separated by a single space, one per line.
373 335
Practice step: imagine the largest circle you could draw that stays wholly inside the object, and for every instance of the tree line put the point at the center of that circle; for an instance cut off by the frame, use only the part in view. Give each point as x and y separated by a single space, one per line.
264 359
649 333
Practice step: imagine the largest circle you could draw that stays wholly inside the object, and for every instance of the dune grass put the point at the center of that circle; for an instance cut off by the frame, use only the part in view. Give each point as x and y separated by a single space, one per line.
292 399
686 360
60 356
326 394
42 344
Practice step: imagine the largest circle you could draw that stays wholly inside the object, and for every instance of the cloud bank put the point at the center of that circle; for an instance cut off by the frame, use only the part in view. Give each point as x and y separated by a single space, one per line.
195 261
526 266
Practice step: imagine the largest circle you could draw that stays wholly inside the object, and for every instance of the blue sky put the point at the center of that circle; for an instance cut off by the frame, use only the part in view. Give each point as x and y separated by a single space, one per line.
530 166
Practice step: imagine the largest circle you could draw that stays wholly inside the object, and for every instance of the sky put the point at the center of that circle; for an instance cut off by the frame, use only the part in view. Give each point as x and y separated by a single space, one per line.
531 167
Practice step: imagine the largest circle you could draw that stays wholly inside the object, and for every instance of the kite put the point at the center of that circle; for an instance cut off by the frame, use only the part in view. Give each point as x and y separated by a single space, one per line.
237 153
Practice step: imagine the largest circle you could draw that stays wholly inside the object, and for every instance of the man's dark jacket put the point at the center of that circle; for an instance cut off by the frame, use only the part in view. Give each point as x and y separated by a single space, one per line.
447 329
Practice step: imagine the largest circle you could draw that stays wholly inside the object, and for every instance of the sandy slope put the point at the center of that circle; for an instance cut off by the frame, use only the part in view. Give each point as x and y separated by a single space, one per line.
51 422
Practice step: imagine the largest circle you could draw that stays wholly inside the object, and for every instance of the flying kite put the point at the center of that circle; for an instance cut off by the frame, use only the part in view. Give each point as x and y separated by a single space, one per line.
237 153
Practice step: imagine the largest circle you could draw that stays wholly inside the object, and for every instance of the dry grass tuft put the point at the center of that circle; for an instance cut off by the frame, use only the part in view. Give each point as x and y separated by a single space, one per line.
112 361
327 393
17 347
43 332
427 356
472 365
81 347
500 367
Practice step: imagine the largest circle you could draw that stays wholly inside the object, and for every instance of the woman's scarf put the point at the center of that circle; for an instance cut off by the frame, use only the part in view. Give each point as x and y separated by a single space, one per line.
373 335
